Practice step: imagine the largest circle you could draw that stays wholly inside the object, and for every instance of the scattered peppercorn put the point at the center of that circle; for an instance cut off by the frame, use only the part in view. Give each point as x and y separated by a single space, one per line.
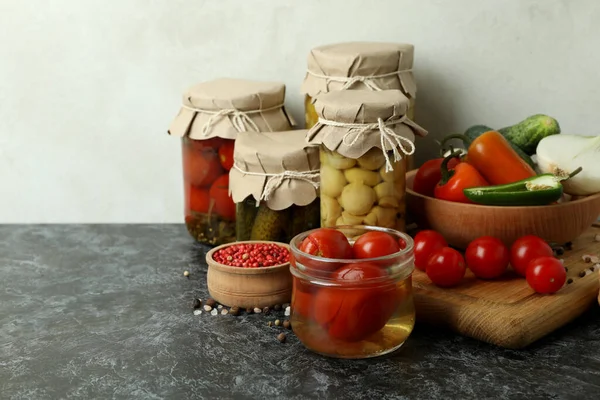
211 302
235 311
224 311
207 308
566 269
569 281
277 322
593 268
214 311
559 251
587 258
582 274
281 337
257 310
252 255
277 307
249 310
196 303
271 323
266 310
569 245
287 324
186 273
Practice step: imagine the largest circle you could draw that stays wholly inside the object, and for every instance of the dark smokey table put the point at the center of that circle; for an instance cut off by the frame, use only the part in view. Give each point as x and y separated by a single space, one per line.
103 311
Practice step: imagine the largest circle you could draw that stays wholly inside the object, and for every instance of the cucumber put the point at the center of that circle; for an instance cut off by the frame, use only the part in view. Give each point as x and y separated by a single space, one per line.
528 133
477 130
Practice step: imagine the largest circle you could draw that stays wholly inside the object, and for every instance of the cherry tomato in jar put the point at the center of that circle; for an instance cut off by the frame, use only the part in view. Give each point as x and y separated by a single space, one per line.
446 267
429 174
487 257
375 244
402 243
201 166
525 249
546 274
326 243
355 312
426 242
199 200
302 298
226 154
223 205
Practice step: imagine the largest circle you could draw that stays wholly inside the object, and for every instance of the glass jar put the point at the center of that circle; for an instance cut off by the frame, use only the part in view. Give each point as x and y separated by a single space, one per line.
263 223
352 319
360 191
209 211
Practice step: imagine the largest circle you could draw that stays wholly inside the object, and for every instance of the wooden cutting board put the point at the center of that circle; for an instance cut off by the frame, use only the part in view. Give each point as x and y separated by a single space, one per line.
507 312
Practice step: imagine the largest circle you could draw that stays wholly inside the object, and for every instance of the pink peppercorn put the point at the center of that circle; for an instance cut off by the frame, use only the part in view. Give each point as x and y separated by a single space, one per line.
252 255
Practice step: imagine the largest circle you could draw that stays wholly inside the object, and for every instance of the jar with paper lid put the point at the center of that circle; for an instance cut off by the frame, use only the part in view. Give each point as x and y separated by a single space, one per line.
364 137
212 115
275 185
359 66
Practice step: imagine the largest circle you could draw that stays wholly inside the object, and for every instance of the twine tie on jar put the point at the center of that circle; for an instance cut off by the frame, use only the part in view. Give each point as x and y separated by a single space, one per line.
351 80
277 179
240 119
387 135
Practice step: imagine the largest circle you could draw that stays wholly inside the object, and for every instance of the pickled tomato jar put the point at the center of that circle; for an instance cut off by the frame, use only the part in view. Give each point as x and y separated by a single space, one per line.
359 66
364 138
353 308
211 117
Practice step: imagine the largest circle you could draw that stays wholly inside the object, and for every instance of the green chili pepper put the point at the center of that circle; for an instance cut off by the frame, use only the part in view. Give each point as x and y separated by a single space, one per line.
536 191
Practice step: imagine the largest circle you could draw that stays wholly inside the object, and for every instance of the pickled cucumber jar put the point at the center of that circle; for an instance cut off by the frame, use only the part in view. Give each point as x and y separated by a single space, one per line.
275 185
364 138
213 114
359 66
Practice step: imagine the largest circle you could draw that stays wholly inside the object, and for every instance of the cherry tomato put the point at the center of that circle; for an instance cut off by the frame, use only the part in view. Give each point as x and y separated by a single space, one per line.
201 166
198 199
487 257
355 312
526 249
402 243
546 274
426 242
327 243
375 244
226 154
223 205
429 174
446 267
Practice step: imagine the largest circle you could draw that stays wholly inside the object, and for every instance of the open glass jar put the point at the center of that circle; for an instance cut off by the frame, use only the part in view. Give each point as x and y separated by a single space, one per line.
361 318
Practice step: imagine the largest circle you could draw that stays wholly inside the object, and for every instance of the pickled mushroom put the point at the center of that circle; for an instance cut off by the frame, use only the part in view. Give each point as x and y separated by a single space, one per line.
350 219
357 198
332 181
330 210
360 175
370 219
337 160
385 189
372 159
386 217
397 175
388 202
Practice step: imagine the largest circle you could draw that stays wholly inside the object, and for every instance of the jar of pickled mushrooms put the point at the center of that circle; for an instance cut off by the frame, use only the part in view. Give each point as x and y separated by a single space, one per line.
364 137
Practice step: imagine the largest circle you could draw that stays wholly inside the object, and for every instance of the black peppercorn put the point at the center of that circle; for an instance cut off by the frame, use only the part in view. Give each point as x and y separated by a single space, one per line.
582 274
249 310
211 302
559 251
277 307
569 245
287 324
281 337
266 310
196 303
569 281
566 269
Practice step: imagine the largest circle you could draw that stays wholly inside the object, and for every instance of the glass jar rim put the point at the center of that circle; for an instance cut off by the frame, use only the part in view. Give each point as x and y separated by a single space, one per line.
394 272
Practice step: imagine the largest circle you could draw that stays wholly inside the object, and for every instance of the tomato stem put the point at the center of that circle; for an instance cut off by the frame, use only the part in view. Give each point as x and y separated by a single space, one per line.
447 173
464 138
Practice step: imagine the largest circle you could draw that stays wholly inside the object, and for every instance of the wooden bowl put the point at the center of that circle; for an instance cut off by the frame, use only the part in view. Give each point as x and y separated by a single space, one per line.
248 287
461 223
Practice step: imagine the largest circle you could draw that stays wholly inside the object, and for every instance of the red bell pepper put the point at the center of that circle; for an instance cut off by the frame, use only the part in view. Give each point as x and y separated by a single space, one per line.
429 175
463 176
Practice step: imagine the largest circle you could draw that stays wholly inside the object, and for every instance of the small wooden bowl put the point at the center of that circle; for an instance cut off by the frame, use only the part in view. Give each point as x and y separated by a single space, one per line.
248 287
461 223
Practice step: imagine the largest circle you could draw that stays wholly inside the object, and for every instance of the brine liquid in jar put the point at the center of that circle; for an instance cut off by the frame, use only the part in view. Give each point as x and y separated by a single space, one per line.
209 210
361 191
